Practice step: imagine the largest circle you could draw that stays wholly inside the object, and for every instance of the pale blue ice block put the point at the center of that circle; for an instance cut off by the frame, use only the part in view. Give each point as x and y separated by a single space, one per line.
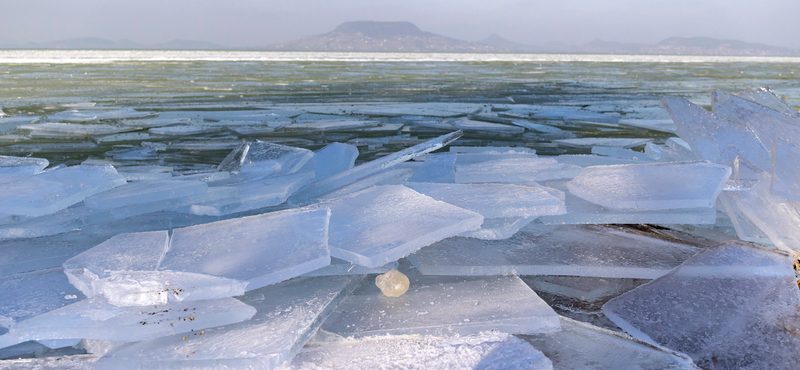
252 195
495 200
519 170
768 98
33 293
260 158
498 228
145 192
437 168
384 223
332 159
786 170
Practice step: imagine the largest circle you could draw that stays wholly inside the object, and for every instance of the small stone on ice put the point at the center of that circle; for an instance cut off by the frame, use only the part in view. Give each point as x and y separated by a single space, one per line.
392 283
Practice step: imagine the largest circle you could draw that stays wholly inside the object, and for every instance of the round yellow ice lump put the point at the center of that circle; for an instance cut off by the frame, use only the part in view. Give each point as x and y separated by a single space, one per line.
392 283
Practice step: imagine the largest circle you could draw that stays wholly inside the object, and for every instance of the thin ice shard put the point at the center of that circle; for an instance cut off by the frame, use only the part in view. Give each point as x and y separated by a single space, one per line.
594 251
288 315
342 179
768 98
332 159
384 223
444 305
654 186
766 123
495 200
583 346
730 307
262 250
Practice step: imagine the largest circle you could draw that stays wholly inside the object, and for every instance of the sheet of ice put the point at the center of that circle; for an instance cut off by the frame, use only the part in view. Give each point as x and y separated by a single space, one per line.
261 158
583 116
489 350
17 255
470 125
128 137
584 346
397 176
584 160
251 130
408 110
621 153
262 250
768 98
31 294
94 318
492 149
439 167
653 186
730 307
254 195
538 127
498 228
342 267
342 179
63 130
15 168
159 122
663 125
288 315
518 170
205 177
133 154
713 138
581 211
585 250
55 190
332 159
768 124
384 223
785 170
463 159
145 192
444 305
495 200
330 125
588 142
181 130
146 176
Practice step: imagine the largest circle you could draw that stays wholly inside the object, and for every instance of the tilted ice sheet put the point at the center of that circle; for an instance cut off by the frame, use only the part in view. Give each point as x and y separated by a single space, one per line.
342 267
489 350
15 168
664 125
584 160
393 176
94 318
444 305
145 192
766 123
768 98
589 142
342 179
332 159
439 167
495 200
254 195
17 255
262 250
785 170
384 223
55 190
498 228
510 171
713 138
265 159
652 186
584 346
730 307
288 315
62 130
596 251
33 293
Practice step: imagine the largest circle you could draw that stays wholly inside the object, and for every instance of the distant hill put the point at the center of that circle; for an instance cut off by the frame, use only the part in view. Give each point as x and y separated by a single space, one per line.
383 36
94 43
499 42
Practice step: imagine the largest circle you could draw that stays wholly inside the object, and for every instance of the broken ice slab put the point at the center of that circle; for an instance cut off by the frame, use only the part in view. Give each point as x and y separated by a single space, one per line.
55 190
495 200
584 346
620 153
384 223
517 170
145 192
146 176
205 177
128 137
397 176
288 315
15 168
342 179
492 149
768 98
332 159
181 130
498 228
251 130
16 120
591 117
133 154
729 307
150 123
584 160
785 173
713 138
342 267
475 157
588 142
79 116
663 125
17 255
70 130
262 250
588 292
766 123
538 127
439 167
261 158
444 305
31 294
254 195
487 127
585 250
653 186
94 318
481 351
415 109
329 125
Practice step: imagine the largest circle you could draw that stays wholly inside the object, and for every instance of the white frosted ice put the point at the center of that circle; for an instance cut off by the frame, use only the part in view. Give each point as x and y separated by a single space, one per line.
730 307
384 223
652 186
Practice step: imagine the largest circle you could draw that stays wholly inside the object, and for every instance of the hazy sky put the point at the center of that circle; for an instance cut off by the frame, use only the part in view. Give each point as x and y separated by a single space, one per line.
258 23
